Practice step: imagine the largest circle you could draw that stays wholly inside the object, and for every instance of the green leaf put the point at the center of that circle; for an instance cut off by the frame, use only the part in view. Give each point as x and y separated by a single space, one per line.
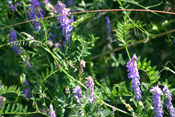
3 107
108 91
20 110
8 108
25 109
150 71
13 108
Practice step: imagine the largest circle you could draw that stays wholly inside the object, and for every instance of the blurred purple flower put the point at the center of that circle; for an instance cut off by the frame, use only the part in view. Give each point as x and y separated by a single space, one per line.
46 2
158 112
44 111
64 20
10 2
70 2
78 95
13 37
108 27
134 75
26 61
52 112
26 90
90 85
168 104
36 13
13 6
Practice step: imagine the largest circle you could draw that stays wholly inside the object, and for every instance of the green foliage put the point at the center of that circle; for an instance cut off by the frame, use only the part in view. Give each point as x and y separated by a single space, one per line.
123 32
10 89
14 109
54 68
150 71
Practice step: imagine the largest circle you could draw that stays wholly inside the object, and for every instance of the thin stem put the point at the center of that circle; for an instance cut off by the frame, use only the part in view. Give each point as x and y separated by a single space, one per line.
138 42
127 52
93 11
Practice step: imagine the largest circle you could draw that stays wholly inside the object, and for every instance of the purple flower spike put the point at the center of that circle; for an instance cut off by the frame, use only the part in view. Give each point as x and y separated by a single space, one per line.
168 103
78 94
134 75
108 27
13 37
36 13
158 112
64 20
52 112
90 85
27 90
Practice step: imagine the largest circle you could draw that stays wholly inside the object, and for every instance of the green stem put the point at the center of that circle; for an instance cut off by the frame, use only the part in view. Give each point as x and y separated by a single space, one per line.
127 51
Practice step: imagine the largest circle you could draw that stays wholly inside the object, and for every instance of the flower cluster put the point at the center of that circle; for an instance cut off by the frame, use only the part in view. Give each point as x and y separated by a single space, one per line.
168 103
134 75
158 112
108 28
90 85
13 6
26 90
13 37
90 91
78 94
36 12
52 112
26 62
64 20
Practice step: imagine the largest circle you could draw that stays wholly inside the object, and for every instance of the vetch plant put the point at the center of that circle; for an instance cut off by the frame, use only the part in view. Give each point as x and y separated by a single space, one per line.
134 76
15 47
73 58
168 104
90 88
52 112
78 94
36 13
64 20
157 92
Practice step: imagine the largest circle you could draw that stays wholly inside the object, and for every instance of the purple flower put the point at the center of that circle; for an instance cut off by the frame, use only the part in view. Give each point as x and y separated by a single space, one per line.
44 111
10 2
158 112
46 2
36 13
26 90
168 103
13 6
78 95
26 61
13 37
90 85
52 112
108 27
64 20
70 2
134 75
